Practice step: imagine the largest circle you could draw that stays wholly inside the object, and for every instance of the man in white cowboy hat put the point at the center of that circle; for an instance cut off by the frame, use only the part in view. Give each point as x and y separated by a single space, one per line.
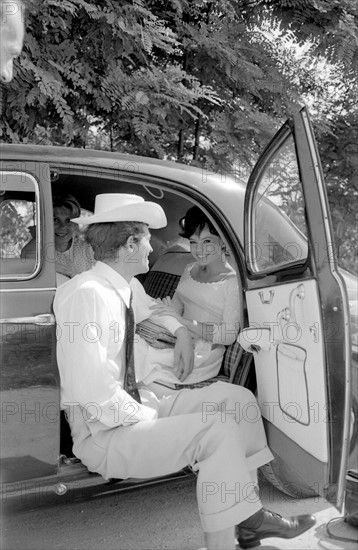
122 430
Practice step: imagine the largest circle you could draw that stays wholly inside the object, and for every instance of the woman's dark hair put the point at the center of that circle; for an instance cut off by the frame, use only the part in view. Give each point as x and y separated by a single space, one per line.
67 201
107 238
195 221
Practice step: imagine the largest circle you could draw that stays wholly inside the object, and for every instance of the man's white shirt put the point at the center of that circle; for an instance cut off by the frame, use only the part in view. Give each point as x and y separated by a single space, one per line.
90 312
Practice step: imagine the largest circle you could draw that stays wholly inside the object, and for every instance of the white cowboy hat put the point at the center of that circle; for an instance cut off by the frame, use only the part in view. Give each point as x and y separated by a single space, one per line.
120 207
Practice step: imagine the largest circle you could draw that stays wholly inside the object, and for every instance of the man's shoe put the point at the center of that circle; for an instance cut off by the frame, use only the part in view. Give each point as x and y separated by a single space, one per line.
265 524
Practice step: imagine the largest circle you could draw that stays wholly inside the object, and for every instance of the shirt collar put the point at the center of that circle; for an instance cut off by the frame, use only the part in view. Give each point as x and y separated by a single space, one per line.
115 279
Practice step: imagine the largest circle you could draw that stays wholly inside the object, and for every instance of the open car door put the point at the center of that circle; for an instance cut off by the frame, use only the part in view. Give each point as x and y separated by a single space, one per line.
298 317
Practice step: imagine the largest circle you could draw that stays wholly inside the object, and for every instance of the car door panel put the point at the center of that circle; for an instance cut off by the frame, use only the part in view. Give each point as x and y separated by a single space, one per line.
296 297
29 376
290 387
334 305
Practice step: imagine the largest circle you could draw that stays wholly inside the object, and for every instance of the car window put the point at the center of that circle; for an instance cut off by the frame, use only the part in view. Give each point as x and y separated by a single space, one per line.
18 221
278 224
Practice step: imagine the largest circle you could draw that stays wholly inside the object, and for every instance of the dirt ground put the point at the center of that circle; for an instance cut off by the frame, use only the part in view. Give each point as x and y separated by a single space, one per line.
157 517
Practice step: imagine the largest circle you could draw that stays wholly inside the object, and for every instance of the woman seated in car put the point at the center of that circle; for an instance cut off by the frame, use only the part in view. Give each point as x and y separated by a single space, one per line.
72 253
206 301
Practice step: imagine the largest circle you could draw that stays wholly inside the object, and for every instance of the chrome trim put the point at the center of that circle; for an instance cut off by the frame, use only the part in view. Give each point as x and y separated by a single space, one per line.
48 289
336 275
41 319
316 164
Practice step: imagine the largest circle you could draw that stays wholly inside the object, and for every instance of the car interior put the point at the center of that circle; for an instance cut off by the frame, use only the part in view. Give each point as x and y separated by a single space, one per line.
23 216
167 261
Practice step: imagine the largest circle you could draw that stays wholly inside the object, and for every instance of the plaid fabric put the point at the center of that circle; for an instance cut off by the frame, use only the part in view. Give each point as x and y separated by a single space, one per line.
231 358
202 384
158 285
156 335
245 375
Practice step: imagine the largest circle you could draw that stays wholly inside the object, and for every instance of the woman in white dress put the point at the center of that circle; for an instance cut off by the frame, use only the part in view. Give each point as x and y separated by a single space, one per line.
206 301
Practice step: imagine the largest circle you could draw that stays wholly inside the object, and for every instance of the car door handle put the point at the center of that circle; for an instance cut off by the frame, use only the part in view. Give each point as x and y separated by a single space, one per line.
42 319
299 294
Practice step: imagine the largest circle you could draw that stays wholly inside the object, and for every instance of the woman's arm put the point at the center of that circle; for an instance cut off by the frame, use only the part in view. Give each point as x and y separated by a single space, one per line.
225 332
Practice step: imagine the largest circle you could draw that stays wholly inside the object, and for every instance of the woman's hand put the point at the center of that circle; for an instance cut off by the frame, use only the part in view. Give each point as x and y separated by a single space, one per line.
167 301
165 307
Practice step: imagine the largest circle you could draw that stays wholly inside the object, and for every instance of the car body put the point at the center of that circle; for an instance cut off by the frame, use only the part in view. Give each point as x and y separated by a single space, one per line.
295 308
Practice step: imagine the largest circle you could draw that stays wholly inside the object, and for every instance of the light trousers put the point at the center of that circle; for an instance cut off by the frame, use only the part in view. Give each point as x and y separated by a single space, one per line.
217 430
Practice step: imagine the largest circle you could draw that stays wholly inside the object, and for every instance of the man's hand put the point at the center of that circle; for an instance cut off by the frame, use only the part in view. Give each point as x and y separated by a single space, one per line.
183 353
165 307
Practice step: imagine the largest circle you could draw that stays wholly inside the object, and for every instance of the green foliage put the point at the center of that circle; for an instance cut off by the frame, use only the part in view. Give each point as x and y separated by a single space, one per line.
339 153
199 81
331 24
15 217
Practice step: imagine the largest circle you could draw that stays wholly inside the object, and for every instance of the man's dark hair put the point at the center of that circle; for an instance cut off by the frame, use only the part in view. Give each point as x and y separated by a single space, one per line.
195 221
107 238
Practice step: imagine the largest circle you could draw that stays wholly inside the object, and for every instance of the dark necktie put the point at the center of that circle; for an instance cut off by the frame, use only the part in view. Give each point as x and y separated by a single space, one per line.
130 384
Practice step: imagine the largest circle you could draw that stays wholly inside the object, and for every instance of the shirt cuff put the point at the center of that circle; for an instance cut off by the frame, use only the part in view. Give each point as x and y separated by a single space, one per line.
171 323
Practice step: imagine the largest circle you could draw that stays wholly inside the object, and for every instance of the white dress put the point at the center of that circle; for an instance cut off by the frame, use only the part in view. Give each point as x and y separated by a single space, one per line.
217 303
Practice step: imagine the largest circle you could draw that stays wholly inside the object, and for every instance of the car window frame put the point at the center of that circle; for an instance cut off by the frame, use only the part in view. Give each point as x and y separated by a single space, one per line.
249 230
39 232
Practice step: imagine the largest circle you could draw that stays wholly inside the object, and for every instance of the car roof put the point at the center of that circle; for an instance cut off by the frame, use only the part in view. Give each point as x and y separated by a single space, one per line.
107 159
218 188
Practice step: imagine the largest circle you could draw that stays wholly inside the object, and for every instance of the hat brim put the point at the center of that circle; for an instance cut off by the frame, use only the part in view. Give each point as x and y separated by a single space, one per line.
150 213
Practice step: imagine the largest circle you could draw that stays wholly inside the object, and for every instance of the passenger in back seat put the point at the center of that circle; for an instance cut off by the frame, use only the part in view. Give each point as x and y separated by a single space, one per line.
72 253
206 301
